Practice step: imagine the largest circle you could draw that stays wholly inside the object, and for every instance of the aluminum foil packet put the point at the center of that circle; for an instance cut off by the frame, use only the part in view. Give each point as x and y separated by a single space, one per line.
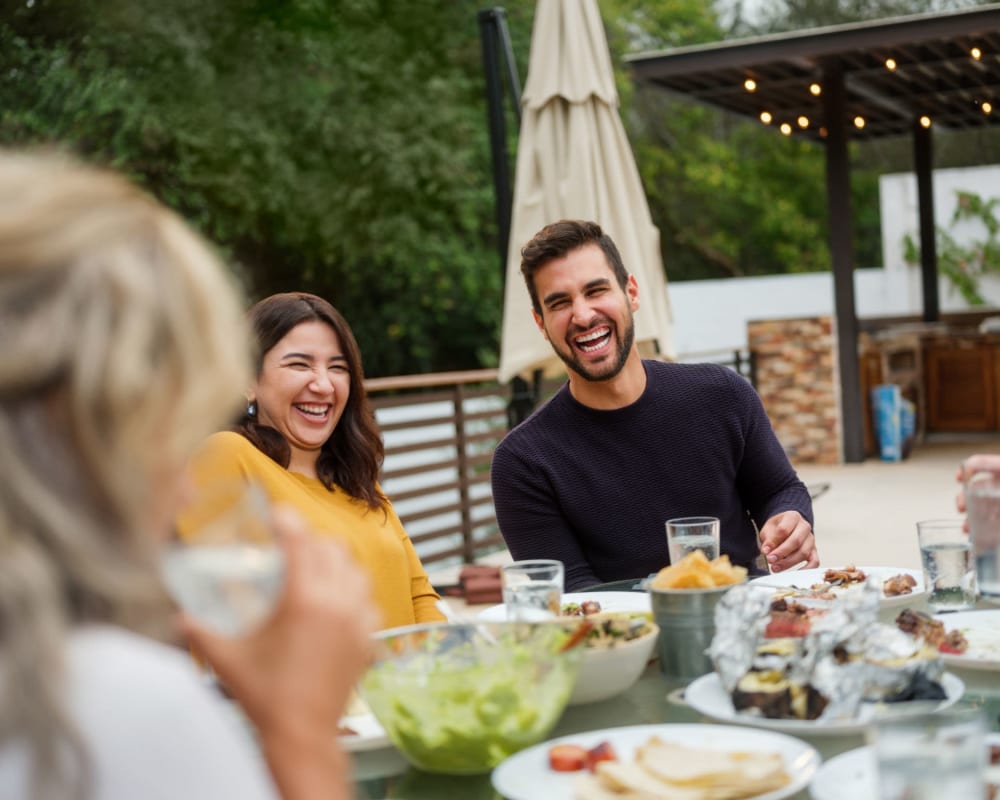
829 658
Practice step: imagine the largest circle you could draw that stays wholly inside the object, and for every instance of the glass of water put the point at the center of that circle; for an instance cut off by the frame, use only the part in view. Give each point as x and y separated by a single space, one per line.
949 570
982 504
687 534
931 756
532 590
225 567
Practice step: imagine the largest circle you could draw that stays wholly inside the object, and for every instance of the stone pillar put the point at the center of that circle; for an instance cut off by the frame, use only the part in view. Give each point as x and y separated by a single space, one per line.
796 380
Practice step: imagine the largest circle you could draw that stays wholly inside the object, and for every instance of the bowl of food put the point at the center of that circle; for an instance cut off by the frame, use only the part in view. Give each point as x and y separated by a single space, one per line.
615 653
459 698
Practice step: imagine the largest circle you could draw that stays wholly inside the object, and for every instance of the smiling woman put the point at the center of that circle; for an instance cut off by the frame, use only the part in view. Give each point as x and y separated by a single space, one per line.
309 438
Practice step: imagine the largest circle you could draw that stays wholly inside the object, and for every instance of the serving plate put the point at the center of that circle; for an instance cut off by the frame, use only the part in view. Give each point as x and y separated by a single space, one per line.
707 695
610 601
528 776
982 630
369 734
805 578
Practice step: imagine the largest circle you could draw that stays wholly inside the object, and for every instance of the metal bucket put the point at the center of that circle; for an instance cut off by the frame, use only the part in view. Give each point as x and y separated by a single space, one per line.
687 624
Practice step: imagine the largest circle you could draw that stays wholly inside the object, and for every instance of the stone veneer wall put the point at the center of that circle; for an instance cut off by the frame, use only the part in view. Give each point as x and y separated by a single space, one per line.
797 382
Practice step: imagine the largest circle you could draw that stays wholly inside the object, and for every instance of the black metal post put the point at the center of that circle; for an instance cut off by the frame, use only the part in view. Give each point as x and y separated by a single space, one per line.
923 158
838 187
491 21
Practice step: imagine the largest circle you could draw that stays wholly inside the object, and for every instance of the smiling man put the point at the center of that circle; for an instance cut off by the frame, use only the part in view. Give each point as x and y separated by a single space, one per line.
592 476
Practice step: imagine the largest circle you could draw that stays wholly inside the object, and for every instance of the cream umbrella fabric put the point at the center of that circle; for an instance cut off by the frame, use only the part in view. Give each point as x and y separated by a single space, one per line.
574 161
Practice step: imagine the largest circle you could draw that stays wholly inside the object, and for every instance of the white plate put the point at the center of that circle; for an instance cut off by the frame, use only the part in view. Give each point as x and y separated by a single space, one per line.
982 629
854 775
528 776
707 695
804 578
610 601
370 734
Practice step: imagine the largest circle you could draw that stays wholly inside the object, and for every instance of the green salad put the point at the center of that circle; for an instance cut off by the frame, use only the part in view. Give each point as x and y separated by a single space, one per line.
464 708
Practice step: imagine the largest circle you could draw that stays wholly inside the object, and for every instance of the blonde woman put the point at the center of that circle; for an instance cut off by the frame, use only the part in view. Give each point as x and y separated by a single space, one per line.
122 342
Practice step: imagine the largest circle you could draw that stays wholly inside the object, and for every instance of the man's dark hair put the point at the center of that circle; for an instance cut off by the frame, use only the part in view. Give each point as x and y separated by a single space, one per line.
562 237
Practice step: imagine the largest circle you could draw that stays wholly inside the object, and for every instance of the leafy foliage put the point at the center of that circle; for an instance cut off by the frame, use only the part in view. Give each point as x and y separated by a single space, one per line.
964 265
341 147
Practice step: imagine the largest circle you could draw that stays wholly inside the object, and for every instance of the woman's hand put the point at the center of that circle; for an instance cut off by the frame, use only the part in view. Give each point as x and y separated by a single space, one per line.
293 675
981 462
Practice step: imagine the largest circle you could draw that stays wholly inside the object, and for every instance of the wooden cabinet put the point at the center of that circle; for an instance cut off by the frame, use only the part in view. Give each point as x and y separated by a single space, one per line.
962 376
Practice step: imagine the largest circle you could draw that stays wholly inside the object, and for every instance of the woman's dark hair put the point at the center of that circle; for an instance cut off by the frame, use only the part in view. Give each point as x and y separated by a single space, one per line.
352 457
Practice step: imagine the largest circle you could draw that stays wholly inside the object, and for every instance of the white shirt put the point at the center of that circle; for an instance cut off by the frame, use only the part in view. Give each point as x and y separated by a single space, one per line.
153 729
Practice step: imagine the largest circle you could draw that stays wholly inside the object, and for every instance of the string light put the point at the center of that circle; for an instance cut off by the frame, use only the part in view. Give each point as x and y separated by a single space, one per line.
987 107
803 121
786 128
890 64
765 117
815 89
859 122
976 53
750 85
925 121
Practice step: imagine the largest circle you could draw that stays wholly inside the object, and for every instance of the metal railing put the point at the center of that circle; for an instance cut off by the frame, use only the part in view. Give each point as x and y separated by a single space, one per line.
440 431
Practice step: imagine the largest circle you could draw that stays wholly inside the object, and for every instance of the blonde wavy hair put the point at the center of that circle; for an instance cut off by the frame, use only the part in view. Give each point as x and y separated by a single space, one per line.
123 345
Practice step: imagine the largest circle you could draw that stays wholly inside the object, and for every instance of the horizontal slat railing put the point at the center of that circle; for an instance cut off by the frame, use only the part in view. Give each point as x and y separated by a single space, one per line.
440 431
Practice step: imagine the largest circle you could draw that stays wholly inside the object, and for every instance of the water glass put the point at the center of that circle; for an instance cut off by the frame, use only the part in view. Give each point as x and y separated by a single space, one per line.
982 503
930 756
949 571
687 534
225 567
532 590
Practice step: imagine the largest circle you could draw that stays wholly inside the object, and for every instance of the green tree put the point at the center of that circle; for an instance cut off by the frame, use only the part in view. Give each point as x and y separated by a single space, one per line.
338 147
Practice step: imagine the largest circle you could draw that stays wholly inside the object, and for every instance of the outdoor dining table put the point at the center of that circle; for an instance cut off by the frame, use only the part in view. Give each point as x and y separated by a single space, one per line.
384 774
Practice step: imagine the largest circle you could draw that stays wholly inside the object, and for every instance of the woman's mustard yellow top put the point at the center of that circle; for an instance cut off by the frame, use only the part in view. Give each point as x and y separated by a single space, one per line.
375 538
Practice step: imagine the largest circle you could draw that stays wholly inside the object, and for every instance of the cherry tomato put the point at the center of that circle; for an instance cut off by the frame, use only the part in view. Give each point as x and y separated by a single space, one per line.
567 757
598 753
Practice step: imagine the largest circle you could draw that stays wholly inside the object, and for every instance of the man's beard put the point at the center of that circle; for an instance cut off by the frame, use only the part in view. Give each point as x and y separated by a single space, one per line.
604 373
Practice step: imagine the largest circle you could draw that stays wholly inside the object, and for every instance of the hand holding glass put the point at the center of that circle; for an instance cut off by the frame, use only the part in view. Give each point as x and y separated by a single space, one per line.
982 503
225 569
687 534
532 590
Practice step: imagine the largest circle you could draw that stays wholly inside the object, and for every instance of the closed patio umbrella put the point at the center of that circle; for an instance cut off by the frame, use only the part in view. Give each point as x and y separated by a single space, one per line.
574 161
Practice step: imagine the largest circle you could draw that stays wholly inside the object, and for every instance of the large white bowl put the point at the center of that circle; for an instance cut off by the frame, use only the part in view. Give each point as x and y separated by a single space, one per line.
606 672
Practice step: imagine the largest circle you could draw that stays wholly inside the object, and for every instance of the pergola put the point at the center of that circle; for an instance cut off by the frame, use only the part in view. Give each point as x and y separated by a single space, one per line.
903 76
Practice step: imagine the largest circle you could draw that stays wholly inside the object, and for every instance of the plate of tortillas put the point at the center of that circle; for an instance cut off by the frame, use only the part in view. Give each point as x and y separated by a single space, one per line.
666 761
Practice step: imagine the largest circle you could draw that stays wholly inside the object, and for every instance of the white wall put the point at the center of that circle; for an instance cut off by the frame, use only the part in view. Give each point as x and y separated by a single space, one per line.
713 315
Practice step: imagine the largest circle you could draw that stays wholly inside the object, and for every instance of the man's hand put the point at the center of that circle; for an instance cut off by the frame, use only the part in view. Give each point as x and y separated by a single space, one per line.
786 540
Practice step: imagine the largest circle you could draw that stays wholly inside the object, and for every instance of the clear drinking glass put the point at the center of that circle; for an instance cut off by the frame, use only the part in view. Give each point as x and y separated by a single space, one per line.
224 567
532 590
930 756
687 534
949 571
982 504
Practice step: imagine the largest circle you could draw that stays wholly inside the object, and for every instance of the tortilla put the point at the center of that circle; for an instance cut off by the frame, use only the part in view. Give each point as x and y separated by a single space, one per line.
668 771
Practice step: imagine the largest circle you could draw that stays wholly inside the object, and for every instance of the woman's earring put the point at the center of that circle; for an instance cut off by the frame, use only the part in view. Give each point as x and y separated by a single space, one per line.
252 408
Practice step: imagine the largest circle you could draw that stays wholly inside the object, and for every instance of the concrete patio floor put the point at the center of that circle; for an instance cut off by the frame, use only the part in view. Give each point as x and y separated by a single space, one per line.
868 513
